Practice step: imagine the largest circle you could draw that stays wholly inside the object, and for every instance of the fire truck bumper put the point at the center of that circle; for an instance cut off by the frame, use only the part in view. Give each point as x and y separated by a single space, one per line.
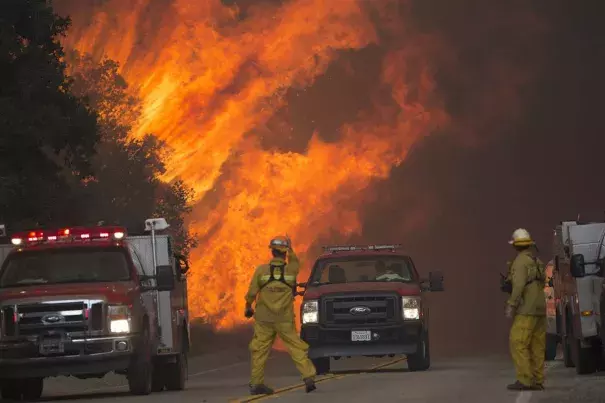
27 359
384 340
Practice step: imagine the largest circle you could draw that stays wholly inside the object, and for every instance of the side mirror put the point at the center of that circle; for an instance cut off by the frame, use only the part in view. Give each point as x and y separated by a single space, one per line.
436 281
182 263
164 278
578 266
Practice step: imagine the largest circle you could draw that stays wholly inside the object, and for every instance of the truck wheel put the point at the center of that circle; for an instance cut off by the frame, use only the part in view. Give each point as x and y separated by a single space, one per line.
32 388
566 340
159 377
140 372
584 357
322 365
551 347
421 359
567 359
11 389
177 373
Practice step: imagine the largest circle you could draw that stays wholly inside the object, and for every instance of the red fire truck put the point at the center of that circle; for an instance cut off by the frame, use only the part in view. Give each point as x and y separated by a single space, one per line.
84 302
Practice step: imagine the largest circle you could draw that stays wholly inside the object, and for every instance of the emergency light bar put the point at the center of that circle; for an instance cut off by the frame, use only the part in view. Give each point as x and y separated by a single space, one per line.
347 248
68 235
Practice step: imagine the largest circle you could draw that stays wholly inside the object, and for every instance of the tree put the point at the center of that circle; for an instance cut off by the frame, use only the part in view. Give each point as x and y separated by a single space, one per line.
173 203
47 136
125 188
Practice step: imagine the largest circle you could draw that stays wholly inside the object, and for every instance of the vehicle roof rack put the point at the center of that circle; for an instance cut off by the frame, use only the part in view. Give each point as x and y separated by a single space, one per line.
350 248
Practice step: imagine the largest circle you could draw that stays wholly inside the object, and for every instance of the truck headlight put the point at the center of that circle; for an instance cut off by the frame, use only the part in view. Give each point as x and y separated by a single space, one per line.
119 318
119 326
310 312
410 308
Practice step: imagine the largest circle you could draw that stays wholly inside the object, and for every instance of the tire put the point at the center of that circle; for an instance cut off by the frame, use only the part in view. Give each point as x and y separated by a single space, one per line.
584 358
566 340
140 372
159 378
177 373
11 389
551 347
322 365
32 388
421 359
567 359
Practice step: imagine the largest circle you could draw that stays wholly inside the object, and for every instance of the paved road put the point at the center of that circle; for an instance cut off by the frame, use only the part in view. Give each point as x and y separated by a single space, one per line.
223 377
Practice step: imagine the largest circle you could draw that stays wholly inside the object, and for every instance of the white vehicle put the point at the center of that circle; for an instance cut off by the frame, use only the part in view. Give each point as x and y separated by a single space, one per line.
578 282
86 301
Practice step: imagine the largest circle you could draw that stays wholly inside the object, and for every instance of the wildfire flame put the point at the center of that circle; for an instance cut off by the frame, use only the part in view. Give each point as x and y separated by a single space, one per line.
209 76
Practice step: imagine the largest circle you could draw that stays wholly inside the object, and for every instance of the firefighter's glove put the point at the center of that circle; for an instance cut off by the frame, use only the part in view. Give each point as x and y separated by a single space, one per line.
505 284
509 311
248 312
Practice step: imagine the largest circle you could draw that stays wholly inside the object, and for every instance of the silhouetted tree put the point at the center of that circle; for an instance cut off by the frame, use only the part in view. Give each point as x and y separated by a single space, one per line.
47 135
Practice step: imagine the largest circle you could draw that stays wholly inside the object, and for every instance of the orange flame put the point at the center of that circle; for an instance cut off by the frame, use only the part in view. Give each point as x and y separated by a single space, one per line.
208 78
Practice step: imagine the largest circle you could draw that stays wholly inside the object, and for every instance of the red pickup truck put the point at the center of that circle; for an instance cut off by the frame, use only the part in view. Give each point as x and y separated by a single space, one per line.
366 301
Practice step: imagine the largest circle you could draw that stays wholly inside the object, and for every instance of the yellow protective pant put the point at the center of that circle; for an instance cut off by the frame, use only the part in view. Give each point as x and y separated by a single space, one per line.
260 347
527 348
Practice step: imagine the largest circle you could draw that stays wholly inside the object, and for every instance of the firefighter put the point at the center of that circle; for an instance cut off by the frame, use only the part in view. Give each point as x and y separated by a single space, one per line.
527 307
273 287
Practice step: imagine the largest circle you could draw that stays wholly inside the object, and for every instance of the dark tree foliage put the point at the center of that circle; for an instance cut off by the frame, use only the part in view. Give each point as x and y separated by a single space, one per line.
46 135
173 203
66 157
125 189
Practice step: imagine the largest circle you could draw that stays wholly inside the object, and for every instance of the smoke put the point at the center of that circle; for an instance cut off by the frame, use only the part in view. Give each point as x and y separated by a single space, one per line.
524 88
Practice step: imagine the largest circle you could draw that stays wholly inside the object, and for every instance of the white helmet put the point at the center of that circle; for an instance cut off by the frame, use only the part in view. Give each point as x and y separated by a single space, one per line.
521 237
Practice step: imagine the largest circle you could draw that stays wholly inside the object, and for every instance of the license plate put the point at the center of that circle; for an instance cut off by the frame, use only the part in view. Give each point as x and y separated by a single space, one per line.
361 335
52 346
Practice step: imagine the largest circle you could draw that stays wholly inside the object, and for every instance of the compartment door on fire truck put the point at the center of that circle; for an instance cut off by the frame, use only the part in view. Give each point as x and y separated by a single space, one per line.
142 245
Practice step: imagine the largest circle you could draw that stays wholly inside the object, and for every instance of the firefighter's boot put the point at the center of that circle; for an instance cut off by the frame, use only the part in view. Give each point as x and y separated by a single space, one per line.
260 390
309 385
518 386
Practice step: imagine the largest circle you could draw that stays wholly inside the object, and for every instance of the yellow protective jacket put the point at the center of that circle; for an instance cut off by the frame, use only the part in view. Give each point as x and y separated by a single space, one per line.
275 300
528 278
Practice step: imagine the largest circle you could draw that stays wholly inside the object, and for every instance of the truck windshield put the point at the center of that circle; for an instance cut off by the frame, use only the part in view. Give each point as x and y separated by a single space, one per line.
65 265
362 269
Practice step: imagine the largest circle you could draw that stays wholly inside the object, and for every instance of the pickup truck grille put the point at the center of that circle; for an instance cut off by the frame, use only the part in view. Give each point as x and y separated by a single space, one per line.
337 309
53 317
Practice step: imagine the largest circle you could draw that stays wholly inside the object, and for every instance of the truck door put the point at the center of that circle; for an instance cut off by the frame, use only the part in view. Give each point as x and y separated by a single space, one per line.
146 298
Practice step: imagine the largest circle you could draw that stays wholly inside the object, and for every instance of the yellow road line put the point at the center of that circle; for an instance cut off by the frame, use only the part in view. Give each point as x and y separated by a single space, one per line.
324 378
